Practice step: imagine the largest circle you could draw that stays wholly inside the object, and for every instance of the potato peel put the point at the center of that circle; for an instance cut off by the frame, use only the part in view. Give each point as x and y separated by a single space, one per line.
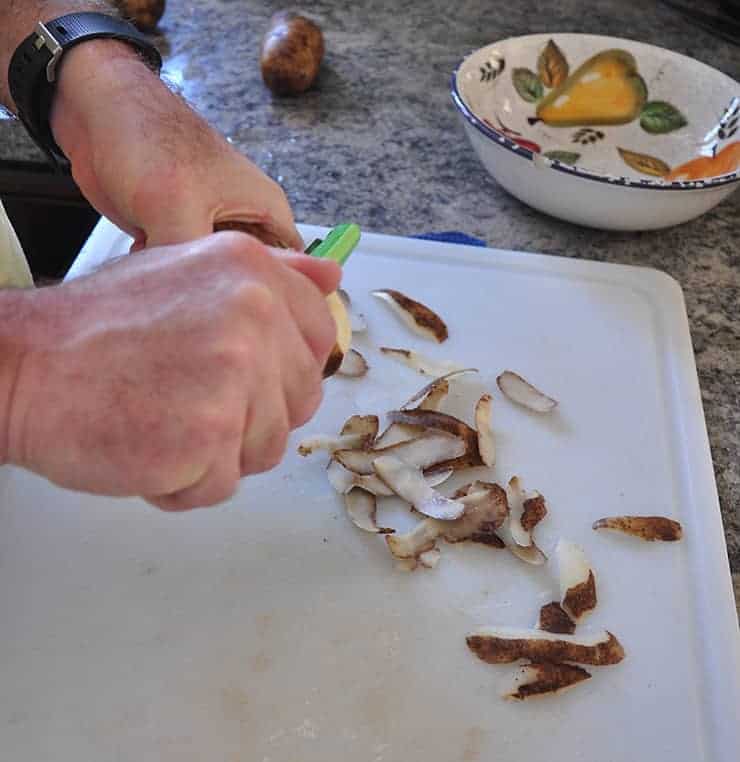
432 419
486 442
415 315
396 433
353 365
410 485
424 452
329 443
503 645
533 511
577 581
530 554
485 511
366 425
515 496
343 480
554 618
362 508
420 363
426 390
358 431
430 558
546 678
519 390
436 395
648 528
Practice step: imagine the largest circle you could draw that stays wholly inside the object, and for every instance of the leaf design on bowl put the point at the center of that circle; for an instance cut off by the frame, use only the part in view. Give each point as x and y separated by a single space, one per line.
527 84
660 117
552 65
564 157
644 163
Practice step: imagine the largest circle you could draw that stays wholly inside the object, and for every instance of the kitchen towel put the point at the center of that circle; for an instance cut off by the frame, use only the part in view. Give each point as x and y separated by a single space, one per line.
14 270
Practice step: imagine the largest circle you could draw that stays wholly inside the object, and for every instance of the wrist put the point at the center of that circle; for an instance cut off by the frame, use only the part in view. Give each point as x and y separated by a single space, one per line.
98 75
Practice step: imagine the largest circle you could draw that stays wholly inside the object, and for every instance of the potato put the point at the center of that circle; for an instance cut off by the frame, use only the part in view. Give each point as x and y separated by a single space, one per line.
143 14
344 334
291 54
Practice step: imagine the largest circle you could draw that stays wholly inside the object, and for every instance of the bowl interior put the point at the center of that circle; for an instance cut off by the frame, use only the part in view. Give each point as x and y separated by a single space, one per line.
611 106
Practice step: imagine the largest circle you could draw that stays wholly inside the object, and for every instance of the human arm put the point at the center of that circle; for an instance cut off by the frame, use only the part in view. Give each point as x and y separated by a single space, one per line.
138 152
167 375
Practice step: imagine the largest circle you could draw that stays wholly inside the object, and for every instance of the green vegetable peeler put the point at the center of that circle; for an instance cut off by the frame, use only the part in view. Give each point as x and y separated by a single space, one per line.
338 245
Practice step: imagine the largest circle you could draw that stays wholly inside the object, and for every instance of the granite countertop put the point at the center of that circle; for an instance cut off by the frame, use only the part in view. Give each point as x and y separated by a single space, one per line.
378 141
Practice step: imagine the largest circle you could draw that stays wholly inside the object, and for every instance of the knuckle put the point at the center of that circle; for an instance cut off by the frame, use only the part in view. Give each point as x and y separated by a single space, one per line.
260 303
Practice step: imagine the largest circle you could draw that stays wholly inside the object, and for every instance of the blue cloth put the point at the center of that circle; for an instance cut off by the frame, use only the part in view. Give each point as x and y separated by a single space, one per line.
452 236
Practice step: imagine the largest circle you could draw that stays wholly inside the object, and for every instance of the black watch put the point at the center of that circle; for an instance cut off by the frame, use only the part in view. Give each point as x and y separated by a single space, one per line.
32 70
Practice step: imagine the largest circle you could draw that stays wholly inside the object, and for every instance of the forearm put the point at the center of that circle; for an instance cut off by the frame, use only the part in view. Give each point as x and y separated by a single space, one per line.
19 17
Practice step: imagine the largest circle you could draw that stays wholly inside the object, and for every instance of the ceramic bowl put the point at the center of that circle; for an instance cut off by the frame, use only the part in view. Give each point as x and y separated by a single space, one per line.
601 131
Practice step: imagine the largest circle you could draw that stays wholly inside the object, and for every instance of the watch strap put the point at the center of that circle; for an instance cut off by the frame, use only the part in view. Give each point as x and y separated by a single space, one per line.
33 68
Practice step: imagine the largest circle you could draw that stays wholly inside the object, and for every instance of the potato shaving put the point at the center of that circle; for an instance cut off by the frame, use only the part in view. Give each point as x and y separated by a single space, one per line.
577 581
421 364
430 558
424 452
553 618
353 365
533 511
366 425
409 484
362 508
411 545
485 511
530 554
503 645
397 433
519 390
649 528
358 324
545 678
515 496
436 396
343 480
427 389
432 419
415 315
359 431
486 443
329 443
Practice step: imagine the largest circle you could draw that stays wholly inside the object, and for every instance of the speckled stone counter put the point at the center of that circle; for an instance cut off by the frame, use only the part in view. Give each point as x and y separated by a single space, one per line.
378 142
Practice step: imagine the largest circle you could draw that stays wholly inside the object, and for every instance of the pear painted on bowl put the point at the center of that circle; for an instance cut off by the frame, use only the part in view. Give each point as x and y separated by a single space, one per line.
606 89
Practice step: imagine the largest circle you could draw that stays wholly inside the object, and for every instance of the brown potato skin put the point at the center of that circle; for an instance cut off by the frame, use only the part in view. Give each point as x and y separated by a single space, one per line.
143 14
291 53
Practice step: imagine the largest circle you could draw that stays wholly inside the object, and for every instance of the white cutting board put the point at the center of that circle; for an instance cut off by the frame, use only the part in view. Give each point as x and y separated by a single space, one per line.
272 630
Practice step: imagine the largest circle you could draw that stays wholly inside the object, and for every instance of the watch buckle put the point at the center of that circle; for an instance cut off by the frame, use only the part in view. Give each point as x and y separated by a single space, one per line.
47 40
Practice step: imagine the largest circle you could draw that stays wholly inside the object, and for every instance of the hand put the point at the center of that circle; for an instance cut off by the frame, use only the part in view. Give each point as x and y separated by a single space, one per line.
171 375
148 162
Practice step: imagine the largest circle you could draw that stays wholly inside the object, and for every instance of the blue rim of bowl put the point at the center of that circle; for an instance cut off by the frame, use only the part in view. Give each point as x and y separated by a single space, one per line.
623 182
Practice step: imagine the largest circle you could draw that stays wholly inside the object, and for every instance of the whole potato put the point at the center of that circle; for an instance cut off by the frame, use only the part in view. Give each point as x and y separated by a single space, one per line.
291 54
143 14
